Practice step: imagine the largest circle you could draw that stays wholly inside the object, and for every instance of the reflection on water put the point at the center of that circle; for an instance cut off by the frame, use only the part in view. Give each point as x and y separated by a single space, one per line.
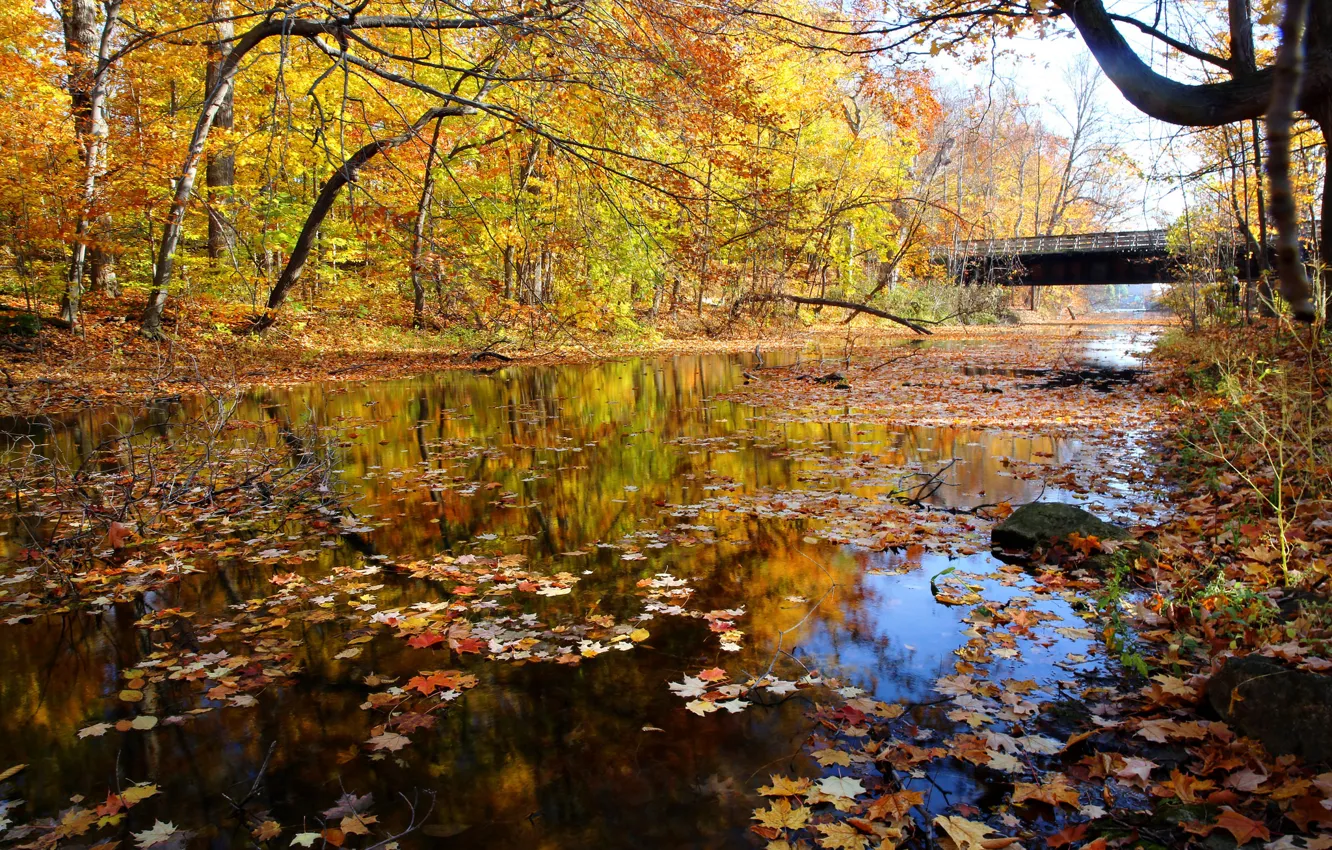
593 460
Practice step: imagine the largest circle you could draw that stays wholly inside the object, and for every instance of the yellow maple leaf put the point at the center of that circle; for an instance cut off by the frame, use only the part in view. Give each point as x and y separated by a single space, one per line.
136 794
781 815
841 836
785 786
829 756
970 834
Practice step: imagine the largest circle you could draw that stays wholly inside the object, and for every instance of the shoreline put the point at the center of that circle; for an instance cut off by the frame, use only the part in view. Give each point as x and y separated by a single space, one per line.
72 372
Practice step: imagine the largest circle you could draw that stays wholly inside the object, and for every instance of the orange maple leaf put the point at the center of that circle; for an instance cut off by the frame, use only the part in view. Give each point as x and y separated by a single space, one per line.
1244 829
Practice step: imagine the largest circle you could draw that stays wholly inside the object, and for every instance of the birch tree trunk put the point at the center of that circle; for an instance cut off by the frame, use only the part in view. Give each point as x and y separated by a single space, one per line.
87 48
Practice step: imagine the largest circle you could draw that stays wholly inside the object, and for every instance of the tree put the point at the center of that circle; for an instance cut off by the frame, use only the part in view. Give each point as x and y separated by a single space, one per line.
343 31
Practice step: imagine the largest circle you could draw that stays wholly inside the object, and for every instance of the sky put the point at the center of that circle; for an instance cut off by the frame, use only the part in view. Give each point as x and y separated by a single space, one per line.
1037 67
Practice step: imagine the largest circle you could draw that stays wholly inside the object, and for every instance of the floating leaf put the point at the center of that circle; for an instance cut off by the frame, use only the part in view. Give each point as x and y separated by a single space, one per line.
160 833
782 815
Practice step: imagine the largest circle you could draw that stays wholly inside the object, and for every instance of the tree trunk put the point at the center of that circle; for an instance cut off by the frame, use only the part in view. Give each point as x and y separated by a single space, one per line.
509 272
1285 214
86 51
1323 118
104 264
220 174
419 231
300 252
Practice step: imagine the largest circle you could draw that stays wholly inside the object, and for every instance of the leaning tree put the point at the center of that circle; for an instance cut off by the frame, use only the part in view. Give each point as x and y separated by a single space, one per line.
1299 77
1222 87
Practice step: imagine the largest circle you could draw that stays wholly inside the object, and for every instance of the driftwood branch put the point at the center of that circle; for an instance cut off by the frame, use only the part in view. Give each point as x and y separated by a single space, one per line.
913 324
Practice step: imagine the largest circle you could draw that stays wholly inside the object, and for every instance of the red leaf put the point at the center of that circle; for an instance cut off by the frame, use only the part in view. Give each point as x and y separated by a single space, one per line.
1067 835
474 645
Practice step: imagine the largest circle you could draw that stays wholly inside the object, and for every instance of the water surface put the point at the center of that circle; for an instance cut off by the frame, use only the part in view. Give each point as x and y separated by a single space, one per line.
573 468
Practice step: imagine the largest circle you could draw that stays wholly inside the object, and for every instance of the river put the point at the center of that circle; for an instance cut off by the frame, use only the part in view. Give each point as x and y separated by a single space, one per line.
564 543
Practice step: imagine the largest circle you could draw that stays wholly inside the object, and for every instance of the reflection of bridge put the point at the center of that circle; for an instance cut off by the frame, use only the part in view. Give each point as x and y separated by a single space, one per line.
1135 256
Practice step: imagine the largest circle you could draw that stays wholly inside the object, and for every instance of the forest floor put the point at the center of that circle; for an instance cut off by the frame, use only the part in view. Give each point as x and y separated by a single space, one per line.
107 360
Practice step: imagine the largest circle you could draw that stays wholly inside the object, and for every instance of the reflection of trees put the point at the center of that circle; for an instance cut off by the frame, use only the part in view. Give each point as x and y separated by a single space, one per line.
565 744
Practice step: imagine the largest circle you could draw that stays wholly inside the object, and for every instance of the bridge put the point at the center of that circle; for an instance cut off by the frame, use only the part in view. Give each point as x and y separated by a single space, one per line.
1125 257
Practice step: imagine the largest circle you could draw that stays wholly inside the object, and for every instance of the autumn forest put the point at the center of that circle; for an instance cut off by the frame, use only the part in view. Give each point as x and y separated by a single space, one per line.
633 423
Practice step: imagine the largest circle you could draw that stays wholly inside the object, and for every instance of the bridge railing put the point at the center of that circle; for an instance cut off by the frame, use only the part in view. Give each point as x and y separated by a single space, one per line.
1129 240
1126 240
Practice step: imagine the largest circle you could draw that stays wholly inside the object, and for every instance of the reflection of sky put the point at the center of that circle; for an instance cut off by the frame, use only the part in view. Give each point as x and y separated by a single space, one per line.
905 632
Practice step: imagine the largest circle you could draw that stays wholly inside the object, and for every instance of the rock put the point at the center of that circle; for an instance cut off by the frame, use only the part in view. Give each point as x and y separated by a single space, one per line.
1040 524
1288 710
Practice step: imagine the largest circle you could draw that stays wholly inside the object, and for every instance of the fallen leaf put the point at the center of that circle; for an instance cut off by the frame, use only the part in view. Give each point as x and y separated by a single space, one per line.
841 836
841 786
781 815
784 786
1242 828
829 757
971 835
895 807
269 829
160 833
1054 792
390 741
136 794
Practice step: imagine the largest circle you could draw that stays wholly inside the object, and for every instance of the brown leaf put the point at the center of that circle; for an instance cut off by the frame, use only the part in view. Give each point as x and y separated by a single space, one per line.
1053 793
1185 787
390 741
357 824
267 830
